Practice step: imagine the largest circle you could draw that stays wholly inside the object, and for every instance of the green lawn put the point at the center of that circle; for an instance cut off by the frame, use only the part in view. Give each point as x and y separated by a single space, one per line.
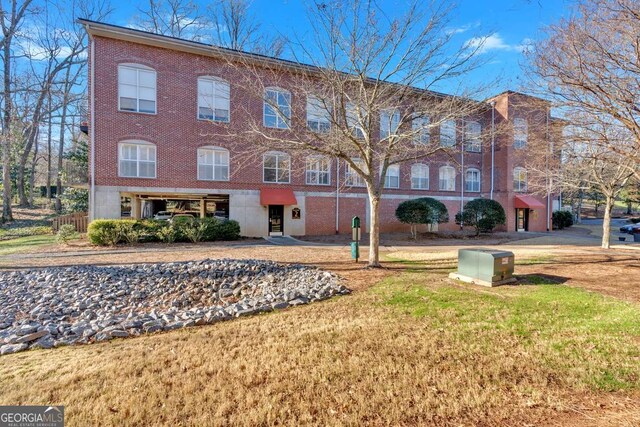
23 244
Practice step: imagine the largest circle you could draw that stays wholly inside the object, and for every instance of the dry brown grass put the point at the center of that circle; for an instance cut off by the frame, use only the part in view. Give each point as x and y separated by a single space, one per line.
365 359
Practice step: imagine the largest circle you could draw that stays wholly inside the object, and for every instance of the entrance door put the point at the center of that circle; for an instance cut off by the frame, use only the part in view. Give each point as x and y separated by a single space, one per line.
522 219
276 220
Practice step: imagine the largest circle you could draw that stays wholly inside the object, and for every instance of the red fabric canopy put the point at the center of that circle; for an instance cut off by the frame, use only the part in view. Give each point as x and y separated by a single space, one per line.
277 196
524 201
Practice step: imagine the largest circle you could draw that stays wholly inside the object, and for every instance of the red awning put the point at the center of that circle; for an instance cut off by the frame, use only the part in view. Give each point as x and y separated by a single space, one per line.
277 196
524 201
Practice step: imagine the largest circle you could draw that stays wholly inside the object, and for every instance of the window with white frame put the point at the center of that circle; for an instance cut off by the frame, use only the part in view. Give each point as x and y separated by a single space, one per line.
389 122
472 136
137 159
351 176
276 168
448 133
420 177
421 130
472 180
136 88
520 132
354 115
213 99
318 170
318 115
213 164
392 177
447 175
277 108
519 179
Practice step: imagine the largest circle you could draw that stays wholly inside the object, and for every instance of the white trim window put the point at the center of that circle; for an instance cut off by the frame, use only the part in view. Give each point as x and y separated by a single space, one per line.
353 120
519 179
520 132
136 88
392 177
472 180
421 130
472 136
277 108
318 115
276 167
213 164
447 178
351 177
213 99
448 133
389 123
419 176
318 170
136 159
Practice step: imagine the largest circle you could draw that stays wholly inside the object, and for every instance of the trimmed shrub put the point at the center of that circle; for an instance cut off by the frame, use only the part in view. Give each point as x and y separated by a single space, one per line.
109 232
424 210
66 233
482 214
562 219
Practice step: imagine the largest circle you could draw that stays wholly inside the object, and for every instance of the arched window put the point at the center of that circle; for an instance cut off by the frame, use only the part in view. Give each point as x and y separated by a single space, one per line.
351 176
420 176
213 99
448 133
392 177
213 164
136 159
447 180
472 136
318 170
520 132
136 88
276 167
519 179
472 180
277 108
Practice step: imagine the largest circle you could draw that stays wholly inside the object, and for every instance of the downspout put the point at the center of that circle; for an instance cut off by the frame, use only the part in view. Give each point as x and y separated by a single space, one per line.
493 143
462 180
337 195
92 190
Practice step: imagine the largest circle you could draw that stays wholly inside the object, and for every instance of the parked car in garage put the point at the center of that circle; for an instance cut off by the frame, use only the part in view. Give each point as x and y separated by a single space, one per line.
181 215
630 228
163 215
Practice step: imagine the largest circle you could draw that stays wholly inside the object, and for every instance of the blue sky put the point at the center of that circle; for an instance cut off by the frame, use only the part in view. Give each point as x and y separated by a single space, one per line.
509 23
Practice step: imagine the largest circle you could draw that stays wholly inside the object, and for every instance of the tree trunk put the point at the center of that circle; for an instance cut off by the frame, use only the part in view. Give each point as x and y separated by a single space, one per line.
7 213
63 124
629 208
374 230
606 223
49 129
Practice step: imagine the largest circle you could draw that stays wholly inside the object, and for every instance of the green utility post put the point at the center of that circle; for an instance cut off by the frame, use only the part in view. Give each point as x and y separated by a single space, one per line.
355 236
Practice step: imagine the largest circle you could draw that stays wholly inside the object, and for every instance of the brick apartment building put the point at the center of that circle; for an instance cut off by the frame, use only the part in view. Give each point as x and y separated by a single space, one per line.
153 102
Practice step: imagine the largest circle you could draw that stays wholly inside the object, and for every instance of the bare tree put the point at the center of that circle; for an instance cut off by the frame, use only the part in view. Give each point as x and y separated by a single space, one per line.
590 63
235 27
368 86
10 21
175 18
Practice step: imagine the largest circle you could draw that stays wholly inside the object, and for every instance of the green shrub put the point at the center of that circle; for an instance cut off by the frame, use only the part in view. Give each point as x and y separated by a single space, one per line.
634 220
74 200
109 232
66 233
482 214
562 219
424 210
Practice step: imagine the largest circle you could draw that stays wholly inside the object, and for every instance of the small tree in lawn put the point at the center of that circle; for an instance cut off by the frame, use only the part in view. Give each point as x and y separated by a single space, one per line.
482 214
425 210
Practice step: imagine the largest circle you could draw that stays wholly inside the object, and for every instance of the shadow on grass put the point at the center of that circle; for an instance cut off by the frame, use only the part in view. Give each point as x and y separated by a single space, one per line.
540 279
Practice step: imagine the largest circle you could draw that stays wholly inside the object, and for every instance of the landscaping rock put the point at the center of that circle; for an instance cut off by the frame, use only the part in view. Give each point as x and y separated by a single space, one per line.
52 307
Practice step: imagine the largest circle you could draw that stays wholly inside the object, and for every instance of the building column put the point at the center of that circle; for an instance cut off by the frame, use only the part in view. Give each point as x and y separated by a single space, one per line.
136 207
203 208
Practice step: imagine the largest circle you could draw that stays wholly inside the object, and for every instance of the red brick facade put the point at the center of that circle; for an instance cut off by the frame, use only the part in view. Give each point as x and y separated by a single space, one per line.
177 134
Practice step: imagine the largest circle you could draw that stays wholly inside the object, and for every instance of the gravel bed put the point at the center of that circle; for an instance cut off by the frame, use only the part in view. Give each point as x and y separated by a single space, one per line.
77 305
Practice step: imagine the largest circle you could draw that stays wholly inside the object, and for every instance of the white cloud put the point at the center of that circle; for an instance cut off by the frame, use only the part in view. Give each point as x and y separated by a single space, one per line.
495 42
463 28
